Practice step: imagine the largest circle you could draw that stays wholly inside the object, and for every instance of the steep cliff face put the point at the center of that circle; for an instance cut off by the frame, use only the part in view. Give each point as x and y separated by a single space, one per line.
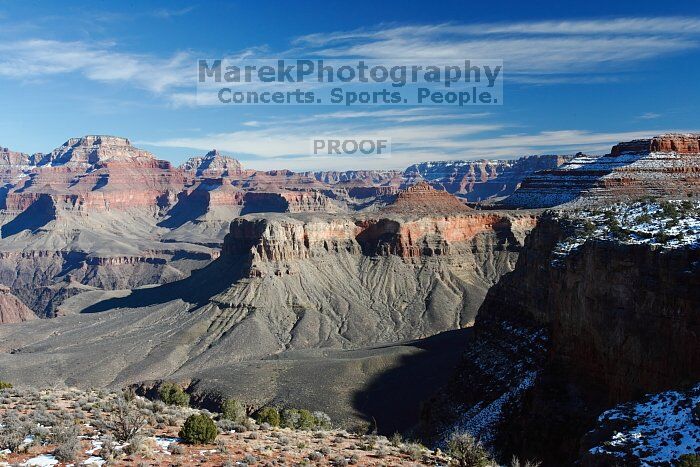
623 317
12 310
620 317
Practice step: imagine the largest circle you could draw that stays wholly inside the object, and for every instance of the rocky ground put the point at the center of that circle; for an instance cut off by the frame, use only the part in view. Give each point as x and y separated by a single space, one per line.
73 427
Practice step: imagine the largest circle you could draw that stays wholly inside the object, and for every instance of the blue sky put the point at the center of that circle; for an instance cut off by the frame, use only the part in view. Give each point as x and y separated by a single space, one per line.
577 77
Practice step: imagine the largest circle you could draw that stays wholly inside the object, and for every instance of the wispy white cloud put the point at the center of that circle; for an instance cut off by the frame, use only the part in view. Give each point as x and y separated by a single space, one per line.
287 145
648 116
529 49
543 52
167 13
37 59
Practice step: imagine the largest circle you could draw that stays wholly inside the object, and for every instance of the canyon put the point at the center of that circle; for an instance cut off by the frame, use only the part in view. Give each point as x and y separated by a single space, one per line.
98 213
451 283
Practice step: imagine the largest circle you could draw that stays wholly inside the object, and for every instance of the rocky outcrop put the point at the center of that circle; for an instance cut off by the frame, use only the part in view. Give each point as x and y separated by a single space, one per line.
10 158
623 317
660 429
92 150
212 165
423 199
12 310
98 173
666 165
673 142
483 179
621 320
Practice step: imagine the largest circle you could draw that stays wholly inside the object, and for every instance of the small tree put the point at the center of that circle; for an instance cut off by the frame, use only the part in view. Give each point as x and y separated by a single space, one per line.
5 385
172 394
268 415
198 429
233 410
467 451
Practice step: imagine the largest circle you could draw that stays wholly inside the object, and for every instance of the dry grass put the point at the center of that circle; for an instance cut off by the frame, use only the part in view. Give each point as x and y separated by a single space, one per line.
140 432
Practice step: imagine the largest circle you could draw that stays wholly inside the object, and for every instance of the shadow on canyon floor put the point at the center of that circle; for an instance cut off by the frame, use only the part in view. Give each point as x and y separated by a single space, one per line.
393 400
196 289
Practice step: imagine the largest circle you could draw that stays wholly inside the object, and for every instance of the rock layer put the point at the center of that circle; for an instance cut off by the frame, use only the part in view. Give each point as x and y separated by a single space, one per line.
12 310
666 165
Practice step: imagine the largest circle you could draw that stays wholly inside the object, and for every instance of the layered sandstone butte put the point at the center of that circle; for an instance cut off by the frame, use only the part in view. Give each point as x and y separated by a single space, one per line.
666 165
92 150
212 165
98 173
12 310
421 198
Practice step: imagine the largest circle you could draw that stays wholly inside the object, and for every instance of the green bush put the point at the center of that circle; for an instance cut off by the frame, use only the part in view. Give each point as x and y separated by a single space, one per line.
669 209
298 419
323 421
467 451
644 219
233 410
5 385
269 415
198 429
172 394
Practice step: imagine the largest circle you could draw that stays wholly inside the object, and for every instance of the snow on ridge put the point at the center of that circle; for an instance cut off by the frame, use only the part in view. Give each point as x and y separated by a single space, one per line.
666 224
656 430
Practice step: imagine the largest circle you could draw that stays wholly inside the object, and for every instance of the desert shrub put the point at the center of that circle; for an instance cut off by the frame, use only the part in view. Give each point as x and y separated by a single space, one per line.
643 219
414 451
226 426
124 421
12 431
297 419
176 449
141 445
269 415
323 421
129 394
172 394
515 462
689 460
5 385
233 410
669 209
361 428
107 451
467 451
588 227
289 418
396 440
661 237
67 443
199 429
